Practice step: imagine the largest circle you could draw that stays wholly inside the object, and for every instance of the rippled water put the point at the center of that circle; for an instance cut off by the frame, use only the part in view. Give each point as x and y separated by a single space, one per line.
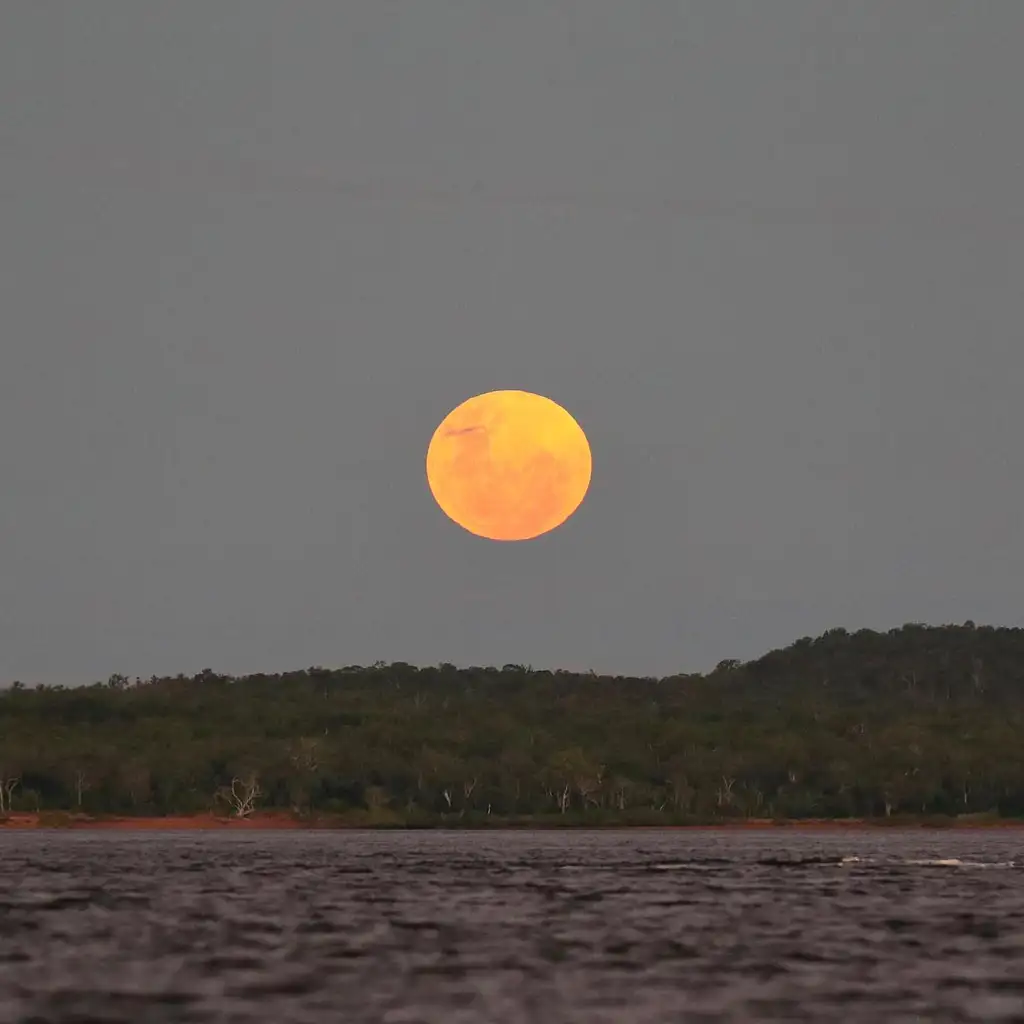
555 926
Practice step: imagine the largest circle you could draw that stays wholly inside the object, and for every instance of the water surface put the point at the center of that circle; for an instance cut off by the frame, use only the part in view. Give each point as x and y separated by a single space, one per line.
294 927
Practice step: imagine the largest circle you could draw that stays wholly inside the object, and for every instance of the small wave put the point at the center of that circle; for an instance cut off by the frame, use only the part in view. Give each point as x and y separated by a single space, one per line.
955 862
796 862
697 864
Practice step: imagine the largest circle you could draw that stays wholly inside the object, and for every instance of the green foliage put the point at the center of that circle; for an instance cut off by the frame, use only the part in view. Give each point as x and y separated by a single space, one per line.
917 721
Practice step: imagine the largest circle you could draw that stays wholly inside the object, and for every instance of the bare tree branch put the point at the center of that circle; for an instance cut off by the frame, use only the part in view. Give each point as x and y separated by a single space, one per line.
242 795
7 787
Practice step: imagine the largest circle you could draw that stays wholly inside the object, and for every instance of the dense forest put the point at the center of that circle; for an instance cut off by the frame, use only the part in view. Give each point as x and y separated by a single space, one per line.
924 721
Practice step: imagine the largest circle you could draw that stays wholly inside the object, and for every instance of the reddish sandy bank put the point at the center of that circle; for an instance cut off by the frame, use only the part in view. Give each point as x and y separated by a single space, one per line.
183 822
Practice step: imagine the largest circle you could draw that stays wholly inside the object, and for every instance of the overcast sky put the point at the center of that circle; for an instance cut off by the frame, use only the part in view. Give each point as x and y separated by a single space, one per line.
769 255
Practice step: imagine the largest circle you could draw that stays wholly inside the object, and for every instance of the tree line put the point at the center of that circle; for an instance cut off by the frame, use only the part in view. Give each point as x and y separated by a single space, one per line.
917 721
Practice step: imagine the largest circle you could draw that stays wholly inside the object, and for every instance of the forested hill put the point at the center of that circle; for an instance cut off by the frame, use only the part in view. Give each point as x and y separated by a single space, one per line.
918 720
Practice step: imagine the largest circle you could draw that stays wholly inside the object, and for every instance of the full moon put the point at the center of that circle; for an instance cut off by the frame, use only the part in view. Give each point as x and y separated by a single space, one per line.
509 465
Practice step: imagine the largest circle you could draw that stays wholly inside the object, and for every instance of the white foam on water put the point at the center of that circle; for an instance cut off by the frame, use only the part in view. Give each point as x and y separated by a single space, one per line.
932 862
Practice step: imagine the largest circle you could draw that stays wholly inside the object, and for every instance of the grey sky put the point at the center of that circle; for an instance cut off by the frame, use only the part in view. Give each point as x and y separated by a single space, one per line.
770 255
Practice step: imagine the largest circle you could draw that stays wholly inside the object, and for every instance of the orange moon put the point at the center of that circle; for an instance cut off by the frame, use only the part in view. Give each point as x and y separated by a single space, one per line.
509 465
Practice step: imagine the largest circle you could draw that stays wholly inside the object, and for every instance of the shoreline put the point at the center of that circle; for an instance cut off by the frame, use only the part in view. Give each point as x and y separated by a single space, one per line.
269 821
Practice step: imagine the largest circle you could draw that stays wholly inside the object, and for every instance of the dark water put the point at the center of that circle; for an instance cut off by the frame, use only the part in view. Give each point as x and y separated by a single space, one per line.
458 927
